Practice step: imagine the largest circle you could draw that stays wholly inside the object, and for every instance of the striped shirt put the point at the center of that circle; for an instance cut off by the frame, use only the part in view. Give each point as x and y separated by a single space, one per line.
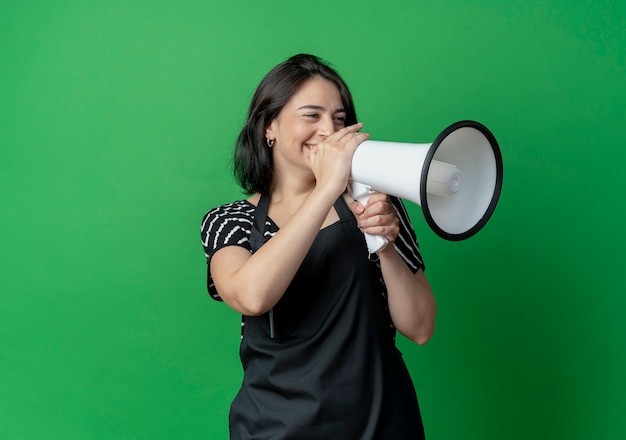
231 225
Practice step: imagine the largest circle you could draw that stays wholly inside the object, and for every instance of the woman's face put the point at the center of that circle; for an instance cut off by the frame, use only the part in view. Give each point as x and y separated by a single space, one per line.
313 113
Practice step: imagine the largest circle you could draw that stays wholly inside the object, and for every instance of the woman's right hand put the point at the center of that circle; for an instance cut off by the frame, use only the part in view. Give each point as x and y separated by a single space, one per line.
331 160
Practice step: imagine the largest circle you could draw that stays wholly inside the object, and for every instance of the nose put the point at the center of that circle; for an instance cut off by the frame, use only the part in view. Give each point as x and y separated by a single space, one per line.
326 126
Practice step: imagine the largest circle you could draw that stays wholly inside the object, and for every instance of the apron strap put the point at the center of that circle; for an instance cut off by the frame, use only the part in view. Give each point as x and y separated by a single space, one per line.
343 211
257 235
257 239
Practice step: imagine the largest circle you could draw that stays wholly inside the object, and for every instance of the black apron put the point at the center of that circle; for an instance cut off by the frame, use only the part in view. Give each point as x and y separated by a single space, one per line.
323 363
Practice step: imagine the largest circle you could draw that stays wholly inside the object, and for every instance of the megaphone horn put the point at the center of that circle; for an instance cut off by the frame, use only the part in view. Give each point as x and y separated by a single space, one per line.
456 180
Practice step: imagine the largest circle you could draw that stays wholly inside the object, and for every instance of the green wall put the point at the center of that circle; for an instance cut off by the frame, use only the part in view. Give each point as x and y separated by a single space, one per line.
116 124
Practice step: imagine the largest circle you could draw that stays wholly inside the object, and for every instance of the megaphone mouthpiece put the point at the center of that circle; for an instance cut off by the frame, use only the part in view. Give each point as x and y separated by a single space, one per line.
444 179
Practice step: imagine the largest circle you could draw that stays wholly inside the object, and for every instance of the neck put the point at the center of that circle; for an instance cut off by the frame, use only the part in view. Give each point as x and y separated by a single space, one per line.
293 187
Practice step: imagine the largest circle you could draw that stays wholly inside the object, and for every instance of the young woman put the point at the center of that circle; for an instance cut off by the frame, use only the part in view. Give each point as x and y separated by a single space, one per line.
319 315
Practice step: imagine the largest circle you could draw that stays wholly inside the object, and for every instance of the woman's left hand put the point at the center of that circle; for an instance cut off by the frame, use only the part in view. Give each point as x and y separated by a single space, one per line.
377 217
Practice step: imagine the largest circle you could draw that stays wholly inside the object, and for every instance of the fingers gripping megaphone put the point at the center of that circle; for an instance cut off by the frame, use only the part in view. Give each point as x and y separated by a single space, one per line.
456 180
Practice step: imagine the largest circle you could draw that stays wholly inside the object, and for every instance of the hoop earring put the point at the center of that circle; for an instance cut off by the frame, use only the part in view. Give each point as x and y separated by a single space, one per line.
270 142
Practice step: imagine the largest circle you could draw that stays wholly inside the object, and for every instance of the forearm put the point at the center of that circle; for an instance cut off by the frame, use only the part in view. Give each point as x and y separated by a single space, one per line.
411 301
259 280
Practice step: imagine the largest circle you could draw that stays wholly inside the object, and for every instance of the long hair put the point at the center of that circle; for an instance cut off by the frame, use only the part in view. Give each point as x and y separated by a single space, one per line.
252 159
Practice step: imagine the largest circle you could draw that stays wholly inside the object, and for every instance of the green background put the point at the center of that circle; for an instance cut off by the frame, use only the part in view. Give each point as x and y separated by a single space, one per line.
116 125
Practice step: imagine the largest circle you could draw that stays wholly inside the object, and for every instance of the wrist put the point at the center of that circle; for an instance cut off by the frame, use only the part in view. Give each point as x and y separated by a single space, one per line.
324 195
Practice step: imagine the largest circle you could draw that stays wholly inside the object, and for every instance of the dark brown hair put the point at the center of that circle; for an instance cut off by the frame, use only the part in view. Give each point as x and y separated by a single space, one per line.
252 158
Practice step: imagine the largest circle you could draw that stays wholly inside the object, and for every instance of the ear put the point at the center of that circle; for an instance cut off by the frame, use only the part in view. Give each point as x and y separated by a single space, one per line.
270 130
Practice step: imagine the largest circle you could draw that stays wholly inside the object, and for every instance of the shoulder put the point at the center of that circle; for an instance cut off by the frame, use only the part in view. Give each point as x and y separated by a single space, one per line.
227 224
241 209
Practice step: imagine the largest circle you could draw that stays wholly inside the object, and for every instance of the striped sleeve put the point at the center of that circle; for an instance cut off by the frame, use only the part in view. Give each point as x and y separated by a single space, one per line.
226 225
406 242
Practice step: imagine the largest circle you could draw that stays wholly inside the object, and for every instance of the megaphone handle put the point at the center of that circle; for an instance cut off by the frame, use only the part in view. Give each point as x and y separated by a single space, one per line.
375 243
361 193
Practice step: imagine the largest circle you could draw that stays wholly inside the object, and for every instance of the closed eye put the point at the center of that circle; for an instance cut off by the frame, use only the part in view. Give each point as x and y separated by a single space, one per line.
340 120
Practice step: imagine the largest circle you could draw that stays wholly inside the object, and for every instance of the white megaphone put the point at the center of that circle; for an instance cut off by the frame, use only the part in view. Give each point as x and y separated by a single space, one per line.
456 180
